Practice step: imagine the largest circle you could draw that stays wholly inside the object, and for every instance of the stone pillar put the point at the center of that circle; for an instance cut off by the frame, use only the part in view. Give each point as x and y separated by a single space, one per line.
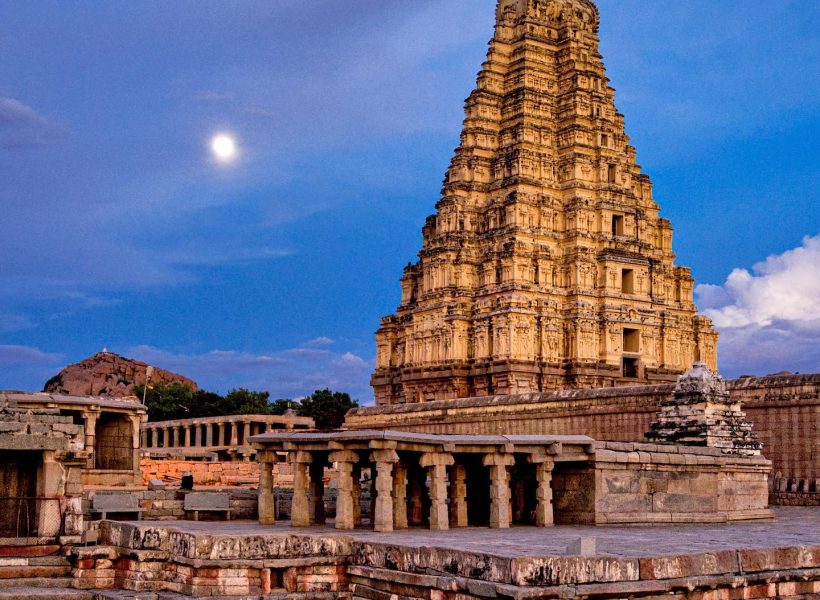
176 437
300 508
499 488
317 490
345 461
357 495
197 435
136 428
437 464
187 430
267 508
400 496
154 437
416 477
543 494
234 433
49 515
209 435
90 437
458 496
220 434
383 509
144 439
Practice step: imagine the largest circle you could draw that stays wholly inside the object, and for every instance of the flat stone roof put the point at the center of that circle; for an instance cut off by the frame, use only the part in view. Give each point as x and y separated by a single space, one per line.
794 526
25 398
419 438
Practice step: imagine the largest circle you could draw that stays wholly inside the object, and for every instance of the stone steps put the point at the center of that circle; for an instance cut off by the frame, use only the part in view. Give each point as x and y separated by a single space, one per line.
34 572
29 593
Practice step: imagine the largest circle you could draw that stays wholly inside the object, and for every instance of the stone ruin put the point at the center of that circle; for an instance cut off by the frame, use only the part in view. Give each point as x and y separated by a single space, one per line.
702 413
41 457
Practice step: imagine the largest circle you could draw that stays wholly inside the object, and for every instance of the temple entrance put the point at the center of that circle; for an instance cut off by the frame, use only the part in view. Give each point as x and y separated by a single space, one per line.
418 495
478 490
113 449
18 493
523 487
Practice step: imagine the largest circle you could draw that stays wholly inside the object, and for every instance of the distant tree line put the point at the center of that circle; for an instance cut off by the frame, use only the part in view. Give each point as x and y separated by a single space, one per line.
178 401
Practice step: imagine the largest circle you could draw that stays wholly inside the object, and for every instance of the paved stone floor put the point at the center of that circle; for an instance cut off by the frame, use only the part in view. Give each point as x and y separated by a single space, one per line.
795 526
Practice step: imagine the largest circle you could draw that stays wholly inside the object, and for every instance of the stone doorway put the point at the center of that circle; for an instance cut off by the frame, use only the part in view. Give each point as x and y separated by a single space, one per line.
478 490
18 492
114 443
523 487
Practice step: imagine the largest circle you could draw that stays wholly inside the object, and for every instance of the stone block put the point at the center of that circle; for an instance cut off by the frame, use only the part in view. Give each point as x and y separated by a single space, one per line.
39 429
12 427
622 482
564 570
67 428
624 503
687 566
686 503
583 546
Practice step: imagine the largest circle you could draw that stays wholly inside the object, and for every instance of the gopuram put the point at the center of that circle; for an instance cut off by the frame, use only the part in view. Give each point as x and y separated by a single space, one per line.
546 265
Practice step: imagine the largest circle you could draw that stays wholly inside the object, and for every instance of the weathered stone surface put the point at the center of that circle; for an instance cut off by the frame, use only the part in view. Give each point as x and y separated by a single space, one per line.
559 570
701 412
672 567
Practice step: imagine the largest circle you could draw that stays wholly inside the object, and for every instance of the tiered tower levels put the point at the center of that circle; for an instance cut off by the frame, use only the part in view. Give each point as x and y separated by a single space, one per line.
546 264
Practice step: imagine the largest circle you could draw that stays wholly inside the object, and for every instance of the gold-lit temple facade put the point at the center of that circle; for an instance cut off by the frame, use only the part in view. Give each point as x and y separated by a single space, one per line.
546 265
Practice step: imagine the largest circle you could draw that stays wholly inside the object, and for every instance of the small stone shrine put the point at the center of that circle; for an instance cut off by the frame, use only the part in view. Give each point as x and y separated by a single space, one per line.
701 413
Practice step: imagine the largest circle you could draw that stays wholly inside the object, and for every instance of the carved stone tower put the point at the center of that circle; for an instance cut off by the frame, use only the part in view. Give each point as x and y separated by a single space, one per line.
546 265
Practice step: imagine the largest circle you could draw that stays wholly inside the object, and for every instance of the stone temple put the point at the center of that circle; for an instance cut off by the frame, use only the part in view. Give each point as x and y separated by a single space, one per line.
546 265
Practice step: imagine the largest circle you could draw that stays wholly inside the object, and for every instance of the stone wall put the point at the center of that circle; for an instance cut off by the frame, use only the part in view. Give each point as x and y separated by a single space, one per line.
151 559
41 457
650 483
167 505
212 473
784 409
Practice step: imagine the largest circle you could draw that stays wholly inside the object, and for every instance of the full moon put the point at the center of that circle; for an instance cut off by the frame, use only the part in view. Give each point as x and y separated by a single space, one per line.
223 147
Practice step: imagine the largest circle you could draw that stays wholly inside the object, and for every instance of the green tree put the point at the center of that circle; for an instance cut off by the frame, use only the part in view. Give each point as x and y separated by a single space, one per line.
165 402
245 402
326 408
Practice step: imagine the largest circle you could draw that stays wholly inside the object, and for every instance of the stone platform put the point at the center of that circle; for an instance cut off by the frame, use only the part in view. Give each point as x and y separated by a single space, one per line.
794 526
244 559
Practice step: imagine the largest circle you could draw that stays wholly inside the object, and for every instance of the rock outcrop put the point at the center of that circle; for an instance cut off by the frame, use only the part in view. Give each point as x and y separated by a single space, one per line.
108 374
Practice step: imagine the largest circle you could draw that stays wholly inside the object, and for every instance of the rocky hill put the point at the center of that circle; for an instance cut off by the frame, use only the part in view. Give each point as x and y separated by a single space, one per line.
108 374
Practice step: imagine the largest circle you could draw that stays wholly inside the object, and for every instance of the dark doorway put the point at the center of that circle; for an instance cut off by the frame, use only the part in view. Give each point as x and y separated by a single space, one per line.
478 491
18 493
523 485
113 449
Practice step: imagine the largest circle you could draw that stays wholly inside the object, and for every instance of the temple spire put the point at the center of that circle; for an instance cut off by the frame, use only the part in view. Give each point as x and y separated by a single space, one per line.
546 264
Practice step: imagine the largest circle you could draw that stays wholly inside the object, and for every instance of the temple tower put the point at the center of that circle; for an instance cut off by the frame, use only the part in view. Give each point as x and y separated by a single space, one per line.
546 265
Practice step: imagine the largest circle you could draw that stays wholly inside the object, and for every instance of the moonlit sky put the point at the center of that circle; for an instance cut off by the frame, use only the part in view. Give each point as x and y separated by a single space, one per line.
119 230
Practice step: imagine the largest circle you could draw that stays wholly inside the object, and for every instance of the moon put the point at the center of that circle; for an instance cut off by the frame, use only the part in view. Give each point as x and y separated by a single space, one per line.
223 147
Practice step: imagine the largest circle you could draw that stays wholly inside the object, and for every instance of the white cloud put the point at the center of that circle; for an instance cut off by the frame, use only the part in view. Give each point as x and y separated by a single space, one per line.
769 317
21 125
13 322
289 373
26 356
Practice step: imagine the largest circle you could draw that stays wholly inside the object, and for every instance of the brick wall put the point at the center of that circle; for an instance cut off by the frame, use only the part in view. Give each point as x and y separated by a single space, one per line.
213 473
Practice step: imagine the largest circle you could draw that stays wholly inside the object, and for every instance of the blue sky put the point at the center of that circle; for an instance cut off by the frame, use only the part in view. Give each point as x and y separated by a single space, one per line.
120 230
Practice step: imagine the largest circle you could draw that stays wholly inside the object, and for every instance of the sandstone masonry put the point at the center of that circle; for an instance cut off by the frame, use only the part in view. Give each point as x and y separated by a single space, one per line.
546 265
